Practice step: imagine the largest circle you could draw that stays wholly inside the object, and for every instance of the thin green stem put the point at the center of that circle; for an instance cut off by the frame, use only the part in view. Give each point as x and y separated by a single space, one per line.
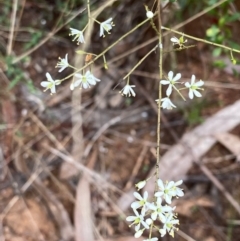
201 40
108 48
129 73
154 27
85 27
179 93
72 67
159 95
150 232
128 80
96 21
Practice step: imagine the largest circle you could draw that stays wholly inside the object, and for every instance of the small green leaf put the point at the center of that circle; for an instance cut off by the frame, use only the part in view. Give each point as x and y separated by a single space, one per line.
217 52
222 21
213 31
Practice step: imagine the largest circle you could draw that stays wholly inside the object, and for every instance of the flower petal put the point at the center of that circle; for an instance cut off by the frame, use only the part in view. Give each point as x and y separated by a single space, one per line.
130 218
170 75
137 196
193 79
165 82
178 182
199 83
49 77
177 77
197 93
169 90
190 94
44 83
160 184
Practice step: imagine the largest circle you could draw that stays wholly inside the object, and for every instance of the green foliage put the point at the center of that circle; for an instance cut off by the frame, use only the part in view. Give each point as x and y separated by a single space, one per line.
193 114
34 40
222 17
221 33
16 75
5 10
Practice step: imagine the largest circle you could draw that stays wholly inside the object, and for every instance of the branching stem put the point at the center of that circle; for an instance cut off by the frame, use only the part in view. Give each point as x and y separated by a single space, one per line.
202 40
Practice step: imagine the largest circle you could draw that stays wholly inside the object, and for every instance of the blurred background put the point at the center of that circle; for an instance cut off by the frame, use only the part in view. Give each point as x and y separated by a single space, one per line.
69 161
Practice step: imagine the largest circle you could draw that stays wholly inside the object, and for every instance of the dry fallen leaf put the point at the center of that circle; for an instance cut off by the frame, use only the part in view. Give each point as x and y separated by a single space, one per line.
82 213
231 142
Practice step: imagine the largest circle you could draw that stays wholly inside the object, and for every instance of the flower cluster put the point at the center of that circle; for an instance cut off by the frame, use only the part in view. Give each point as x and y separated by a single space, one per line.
159 209
172 81
86 79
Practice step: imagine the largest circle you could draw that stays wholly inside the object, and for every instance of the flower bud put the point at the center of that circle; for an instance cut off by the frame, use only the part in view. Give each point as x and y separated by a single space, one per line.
140 185
149 14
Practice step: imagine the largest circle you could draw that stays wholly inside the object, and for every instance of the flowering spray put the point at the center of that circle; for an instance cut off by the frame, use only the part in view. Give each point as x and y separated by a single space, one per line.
148 211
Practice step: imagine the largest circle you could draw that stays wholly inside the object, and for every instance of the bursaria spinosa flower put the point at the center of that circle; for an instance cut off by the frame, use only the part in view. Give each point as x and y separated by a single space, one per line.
167 103
84 81
63 63
159 210
169 223
142 201
169 190
78 35
50 84
181 41
128 90
138 220
171 81
194 87
106 26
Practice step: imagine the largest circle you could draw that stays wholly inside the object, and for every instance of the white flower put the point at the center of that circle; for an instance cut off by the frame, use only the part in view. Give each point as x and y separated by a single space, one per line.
159 210
168 225
171 82
169 190
167 103
142 201
128 91
138 220
50 84
149 14
79 35
160 45
193 87
151 239
63 63
85 81
179 41
106 26
140 185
